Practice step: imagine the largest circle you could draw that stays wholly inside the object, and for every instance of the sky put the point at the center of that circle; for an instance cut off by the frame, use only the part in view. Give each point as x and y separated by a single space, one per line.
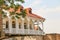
50 10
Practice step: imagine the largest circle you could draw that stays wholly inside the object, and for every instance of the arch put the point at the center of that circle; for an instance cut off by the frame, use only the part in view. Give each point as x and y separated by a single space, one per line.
19 23
13 21
13 24
25 23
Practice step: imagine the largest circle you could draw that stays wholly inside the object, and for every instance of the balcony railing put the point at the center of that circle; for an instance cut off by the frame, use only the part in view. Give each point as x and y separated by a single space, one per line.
24 32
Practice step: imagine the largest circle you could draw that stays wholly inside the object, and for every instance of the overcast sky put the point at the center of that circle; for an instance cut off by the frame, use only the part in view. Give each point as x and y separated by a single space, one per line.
50 10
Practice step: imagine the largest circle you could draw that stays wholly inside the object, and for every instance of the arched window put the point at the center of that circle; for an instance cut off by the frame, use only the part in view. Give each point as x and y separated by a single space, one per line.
13 24
25 26
19 25
7 24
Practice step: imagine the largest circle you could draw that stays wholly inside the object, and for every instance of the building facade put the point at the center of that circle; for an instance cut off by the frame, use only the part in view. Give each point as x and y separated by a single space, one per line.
29 25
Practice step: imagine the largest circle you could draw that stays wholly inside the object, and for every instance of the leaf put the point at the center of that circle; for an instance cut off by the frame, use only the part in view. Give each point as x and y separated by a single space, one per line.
13 17
12 13
22 1
17 16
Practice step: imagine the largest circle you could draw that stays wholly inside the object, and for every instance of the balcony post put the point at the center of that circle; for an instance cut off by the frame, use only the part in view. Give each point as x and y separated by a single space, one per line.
22 26
28 26
33 24
42 28
17 27
10 25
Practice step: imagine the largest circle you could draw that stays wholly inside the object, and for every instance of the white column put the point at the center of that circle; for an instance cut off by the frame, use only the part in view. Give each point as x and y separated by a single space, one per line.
4 23
28 26
38 24
22 23
33 25
42 28
22 26
10 25
17 26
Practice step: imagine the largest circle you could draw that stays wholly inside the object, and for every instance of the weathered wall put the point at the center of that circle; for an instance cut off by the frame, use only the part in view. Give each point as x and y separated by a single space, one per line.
41 37
30 38
52 37
26 38
58 37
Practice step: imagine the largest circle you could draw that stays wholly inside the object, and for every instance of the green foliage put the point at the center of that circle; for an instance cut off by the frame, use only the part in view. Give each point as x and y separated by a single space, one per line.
12 13
12 5
23 13
13 17
17 16
3 14
1 2
22 1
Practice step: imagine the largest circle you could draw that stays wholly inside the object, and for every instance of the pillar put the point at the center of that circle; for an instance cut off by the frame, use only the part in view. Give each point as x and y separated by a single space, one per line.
10 26
17 26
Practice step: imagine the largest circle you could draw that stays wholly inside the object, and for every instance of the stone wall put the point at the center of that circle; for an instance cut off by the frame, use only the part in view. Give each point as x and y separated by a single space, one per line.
26 38
30 38
52 37
41 37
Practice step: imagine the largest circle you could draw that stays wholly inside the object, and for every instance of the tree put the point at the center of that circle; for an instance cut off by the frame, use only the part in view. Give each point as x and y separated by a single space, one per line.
4 5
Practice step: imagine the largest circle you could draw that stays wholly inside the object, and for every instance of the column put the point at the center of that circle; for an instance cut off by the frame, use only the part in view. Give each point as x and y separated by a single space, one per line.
42 28
22 26
38 24
17 26
33 24
28 26
4 25
33 31
38 27
10 26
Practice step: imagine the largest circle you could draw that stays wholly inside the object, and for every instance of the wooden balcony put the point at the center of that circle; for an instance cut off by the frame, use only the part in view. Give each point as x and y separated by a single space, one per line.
23 32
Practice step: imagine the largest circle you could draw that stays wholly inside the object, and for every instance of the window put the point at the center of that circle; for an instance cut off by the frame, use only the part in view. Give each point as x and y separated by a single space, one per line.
19 25
25 26
13 24
7 24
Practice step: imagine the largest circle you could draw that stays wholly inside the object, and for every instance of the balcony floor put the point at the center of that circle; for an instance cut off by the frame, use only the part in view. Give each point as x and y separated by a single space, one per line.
24 32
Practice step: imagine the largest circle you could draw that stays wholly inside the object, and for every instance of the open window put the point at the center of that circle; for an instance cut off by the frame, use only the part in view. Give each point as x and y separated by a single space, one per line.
7 24
19 25
25 26
13 24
